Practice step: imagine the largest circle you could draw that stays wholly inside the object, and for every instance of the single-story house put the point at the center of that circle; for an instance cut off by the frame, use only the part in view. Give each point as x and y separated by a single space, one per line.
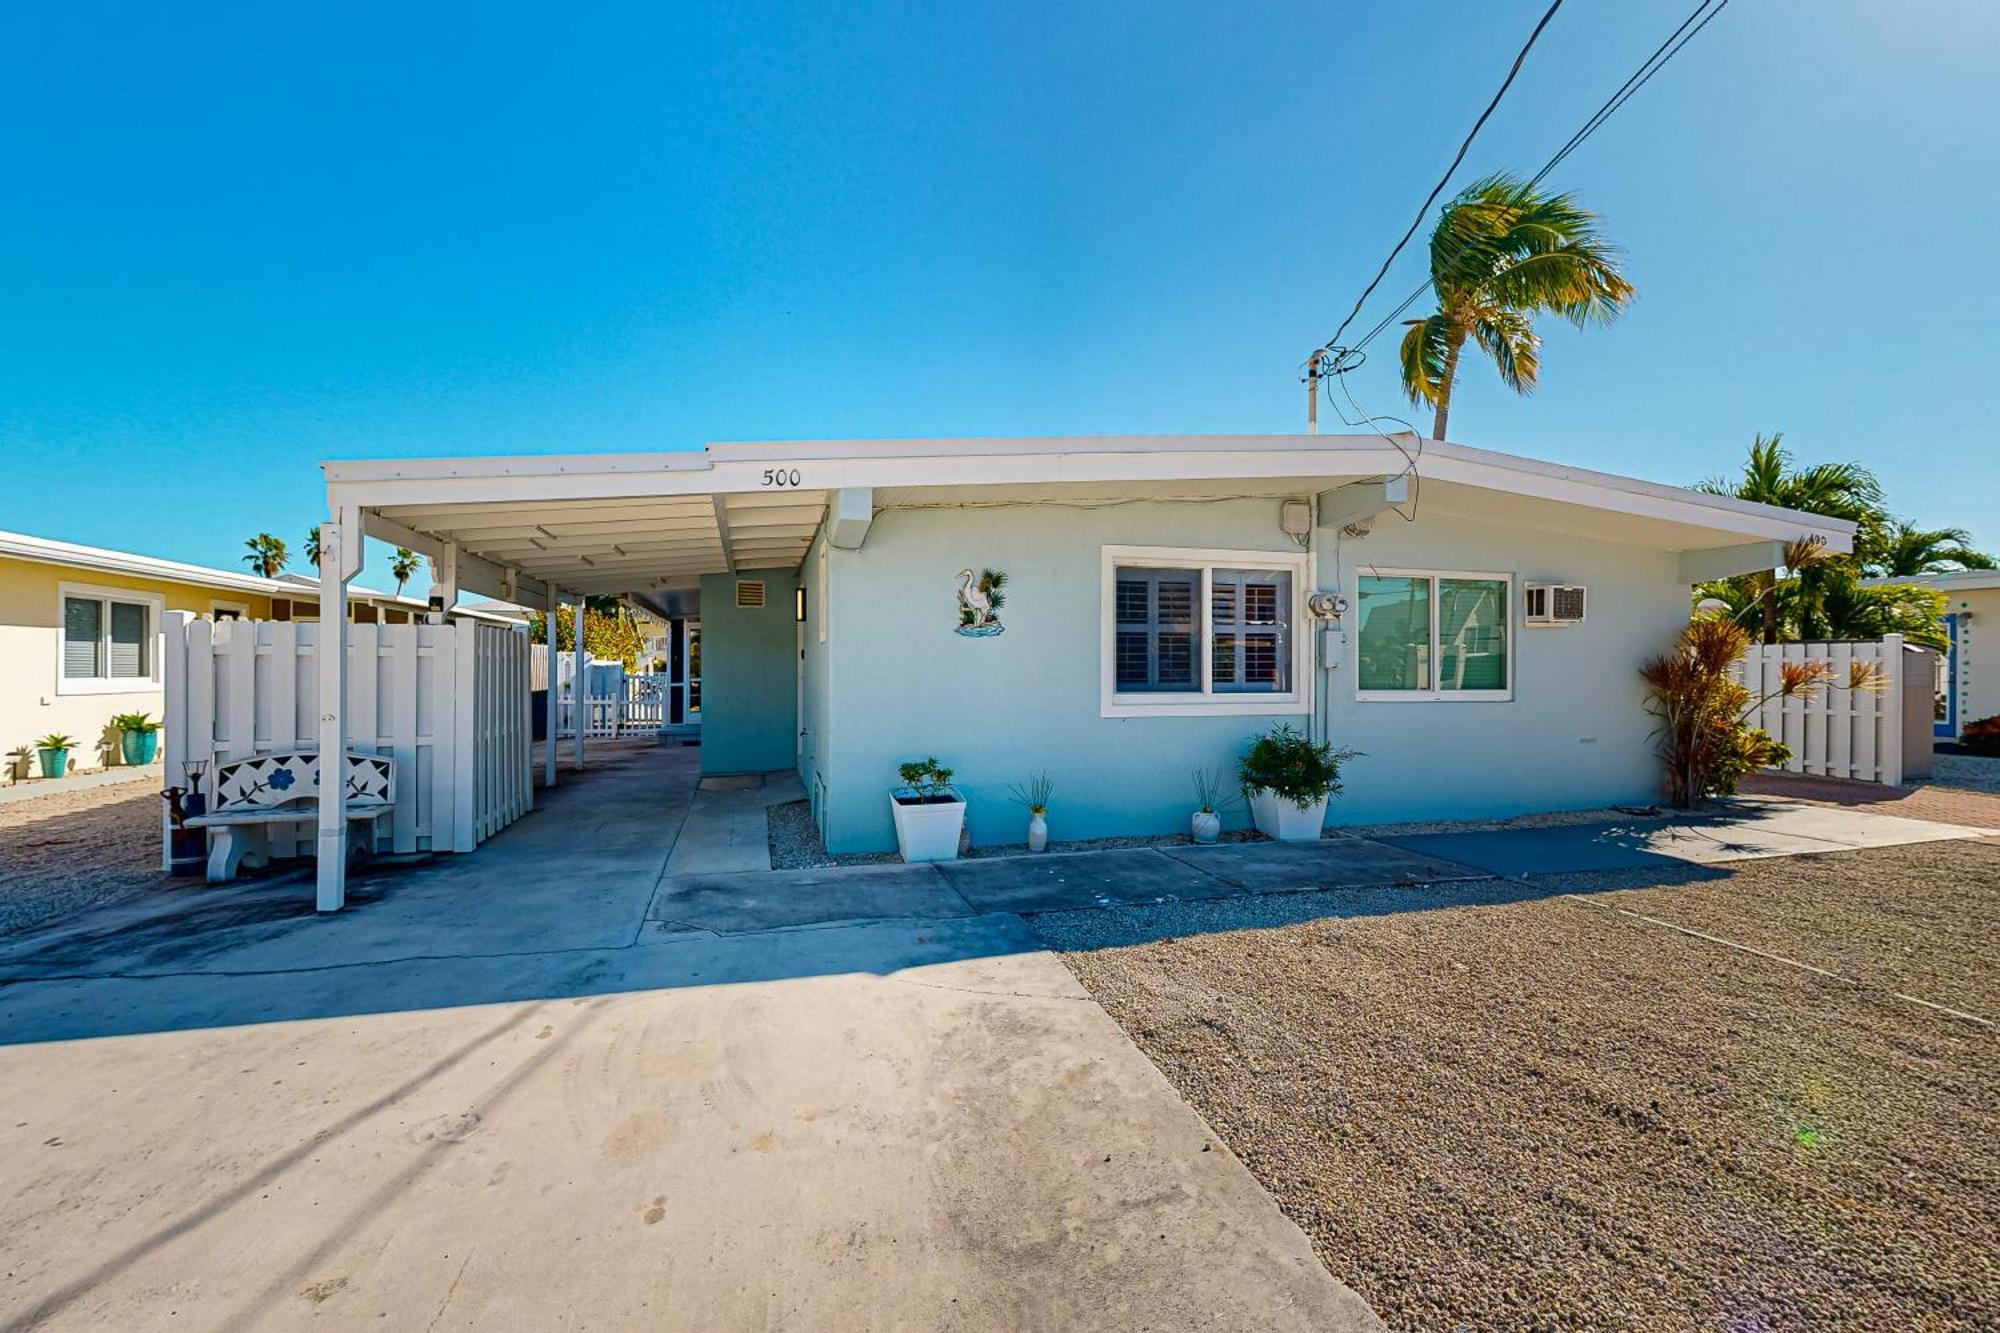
80 636
1472 621
1968 686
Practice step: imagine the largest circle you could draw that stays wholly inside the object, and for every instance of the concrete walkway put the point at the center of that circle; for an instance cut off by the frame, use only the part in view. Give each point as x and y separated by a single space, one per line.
499 1093
553 1084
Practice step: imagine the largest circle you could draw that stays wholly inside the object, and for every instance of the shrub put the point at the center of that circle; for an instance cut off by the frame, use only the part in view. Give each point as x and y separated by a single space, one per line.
1983 736
1704 736
926 779
1287 764
133 722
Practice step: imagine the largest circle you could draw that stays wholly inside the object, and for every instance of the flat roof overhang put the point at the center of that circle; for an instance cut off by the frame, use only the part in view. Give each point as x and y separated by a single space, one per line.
649 526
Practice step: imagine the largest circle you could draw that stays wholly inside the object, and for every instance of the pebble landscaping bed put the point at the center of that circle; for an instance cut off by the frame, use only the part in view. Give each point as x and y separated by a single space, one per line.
1493 1106
66 851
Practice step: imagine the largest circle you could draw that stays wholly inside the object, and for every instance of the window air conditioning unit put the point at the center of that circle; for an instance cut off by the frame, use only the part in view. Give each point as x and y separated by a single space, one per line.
1547 604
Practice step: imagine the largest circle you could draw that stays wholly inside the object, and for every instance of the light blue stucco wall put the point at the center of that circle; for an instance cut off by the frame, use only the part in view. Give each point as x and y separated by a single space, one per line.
900 683
749 676
815 724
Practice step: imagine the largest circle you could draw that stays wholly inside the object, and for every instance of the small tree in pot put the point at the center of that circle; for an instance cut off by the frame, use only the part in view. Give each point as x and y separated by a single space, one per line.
1289 780
929 812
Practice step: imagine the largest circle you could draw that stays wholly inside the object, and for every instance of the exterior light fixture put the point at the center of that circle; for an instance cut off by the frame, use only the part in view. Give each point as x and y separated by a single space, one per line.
799 604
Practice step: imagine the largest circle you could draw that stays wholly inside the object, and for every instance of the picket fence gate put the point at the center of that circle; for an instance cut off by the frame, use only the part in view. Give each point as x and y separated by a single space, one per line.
450 702
1839 732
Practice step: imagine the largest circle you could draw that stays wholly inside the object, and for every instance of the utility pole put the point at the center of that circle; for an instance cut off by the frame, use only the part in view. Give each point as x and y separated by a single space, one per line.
1312 389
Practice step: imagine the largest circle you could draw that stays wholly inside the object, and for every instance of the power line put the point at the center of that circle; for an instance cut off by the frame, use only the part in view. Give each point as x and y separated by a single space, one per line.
1445 179
1701 16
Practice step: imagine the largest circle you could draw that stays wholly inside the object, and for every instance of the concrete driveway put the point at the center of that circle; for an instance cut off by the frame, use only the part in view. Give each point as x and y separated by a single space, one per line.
506 1092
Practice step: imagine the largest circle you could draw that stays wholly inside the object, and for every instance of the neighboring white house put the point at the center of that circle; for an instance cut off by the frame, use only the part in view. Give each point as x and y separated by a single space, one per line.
80 636
1165 598
1969 675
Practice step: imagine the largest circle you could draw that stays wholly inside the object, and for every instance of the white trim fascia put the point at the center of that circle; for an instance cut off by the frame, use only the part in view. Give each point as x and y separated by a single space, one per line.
153 681
1292 703
1435 694
826 466
42 550
1969 580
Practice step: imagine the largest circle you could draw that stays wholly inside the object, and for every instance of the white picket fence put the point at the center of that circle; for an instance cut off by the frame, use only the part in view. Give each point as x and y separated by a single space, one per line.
450 702
618 703
1839 732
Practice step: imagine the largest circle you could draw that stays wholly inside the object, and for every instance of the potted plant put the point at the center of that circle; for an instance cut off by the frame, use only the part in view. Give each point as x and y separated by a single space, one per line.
1211 799
929 812
53 749
138 738
1289 781
1034 794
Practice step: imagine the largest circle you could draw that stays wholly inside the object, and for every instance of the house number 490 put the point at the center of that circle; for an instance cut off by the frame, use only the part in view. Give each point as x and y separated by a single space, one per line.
781 476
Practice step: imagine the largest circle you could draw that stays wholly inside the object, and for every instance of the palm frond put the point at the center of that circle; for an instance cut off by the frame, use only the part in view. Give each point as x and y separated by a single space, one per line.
1510 339
1425 349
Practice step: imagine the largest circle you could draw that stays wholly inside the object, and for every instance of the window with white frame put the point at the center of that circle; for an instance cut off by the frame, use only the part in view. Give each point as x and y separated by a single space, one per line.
1197 631
106 640
1433 635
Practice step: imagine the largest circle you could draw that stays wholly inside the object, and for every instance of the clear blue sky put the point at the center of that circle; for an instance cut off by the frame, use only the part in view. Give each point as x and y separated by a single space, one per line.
235 241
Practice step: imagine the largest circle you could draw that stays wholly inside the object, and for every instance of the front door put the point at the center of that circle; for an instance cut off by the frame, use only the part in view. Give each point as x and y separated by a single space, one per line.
1945 718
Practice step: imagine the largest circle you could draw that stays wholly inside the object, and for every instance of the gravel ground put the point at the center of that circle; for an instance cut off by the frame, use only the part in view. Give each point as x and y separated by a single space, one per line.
69 851
1971 771
796 845
1495 1107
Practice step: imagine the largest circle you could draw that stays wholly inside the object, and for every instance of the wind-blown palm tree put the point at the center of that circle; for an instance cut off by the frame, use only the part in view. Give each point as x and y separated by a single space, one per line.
1901 549
312 546
402 565
267 554
1836 490
1503 253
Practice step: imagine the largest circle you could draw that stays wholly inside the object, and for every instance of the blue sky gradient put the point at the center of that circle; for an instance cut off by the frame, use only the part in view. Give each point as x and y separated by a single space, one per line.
238 240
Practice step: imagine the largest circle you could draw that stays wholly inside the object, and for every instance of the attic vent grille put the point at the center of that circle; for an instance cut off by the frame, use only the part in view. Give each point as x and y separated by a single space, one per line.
750 593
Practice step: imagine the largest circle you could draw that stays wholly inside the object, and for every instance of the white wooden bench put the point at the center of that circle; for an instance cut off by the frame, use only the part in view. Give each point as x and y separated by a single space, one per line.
252 795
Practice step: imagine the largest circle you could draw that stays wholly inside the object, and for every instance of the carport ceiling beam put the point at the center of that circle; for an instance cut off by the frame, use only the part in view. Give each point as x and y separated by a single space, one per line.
721 512
475 573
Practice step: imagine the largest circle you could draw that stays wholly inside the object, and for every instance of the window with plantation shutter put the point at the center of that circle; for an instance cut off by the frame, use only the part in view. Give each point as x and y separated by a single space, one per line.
83 638
1191 631
1157 627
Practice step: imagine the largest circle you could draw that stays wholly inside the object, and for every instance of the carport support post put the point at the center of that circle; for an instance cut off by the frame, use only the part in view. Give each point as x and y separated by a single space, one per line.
339 561
580 684
552 697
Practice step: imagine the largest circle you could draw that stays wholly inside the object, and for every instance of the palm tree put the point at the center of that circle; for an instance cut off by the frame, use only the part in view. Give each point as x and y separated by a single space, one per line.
267 554
1901 549
402 565
1502 253
312 545
1835 490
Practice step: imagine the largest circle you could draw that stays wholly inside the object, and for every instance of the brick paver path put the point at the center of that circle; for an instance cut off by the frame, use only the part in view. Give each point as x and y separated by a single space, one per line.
1947 805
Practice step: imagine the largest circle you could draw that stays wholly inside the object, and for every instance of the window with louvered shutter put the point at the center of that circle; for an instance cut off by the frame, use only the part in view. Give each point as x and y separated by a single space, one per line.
130 643
83 638
1250 619
1158 627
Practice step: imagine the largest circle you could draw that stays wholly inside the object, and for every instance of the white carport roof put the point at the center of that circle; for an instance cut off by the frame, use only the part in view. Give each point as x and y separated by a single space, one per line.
650 525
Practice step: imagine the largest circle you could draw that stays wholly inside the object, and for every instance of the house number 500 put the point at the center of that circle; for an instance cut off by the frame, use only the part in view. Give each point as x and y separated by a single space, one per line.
781 476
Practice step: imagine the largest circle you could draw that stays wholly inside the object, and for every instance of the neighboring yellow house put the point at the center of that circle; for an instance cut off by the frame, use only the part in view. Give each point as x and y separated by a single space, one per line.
80 637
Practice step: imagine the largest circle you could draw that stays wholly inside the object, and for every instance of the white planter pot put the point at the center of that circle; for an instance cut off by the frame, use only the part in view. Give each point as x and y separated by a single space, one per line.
928 832
1205 826
1038 833
1276 817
